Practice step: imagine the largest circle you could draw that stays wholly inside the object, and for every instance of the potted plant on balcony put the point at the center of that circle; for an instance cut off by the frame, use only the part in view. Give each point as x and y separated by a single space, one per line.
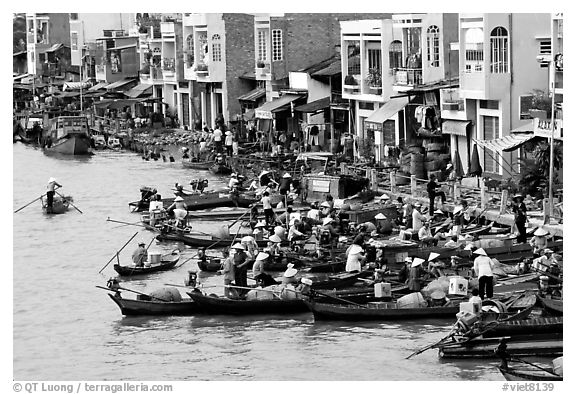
260 67
541 105
202 70
374 80
350 84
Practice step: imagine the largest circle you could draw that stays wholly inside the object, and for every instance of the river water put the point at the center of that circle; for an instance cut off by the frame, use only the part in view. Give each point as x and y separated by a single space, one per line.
67 329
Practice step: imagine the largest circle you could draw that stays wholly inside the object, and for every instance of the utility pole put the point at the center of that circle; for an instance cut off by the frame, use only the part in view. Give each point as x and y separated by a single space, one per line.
553 129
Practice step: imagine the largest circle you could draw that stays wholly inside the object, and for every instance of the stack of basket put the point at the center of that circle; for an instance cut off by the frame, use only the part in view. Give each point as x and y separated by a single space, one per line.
417 166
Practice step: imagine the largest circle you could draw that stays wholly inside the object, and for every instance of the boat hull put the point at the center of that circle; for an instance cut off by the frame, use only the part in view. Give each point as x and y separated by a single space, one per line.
129 307
325 311
59 206
519 375
167 262
226 306
74 145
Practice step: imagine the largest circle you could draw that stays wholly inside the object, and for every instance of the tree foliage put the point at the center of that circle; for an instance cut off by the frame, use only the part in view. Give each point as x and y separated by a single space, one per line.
19 33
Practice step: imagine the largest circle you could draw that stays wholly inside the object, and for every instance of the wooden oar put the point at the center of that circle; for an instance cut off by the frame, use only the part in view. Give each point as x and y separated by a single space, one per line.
132 224
36 199
112 258
133 291
340 299
241 216
70 202
422 350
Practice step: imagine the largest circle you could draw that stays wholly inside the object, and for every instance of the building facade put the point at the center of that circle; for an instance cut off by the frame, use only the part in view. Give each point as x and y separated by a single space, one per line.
43 32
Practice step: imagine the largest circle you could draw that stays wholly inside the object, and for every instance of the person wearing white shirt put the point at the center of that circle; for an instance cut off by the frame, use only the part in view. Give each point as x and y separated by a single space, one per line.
355 258
418 218
425 235
483 267
217 137
267 206
293 233
156 209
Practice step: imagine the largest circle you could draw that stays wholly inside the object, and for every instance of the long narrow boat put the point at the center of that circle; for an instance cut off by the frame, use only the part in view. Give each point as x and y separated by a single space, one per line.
521 370
201 240
226 306
59 205
138 307
552 306
195 202
167 262
550 344
378 311
540 325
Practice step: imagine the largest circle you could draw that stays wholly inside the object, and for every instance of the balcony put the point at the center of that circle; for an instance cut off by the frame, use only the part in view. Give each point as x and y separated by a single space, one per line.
156 73
262 70
168 66
407 76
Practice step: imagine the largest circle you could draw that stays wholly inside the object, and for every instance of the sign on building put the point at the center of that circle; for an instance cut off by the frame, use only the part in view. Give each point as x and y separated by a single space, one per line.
543 128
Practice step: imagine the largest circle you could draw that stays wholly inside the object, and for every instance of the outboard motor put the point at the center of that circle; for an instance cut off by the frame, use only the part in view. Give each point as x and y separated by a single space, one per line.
191 280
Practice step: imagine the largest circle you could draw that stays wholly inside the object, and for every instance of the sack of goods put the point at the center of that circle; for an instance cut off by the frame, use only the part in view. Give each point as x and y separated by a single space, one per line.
257 294
168 294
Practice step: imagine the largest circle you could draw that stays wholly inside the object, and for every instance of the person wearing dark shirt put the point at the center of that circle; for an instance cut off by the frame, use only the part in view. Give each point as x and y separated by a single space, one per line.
285 184
432 187
520 217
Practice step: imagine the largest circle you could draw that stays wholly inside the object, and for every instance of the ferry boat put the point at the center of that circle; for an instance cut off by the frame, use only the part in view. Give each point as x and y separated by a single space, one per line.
69 135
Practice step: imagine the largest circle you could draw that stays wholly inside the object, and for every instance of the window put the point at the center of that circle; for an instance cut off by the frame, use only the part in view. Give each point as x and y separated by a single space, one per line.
74 40
374 58
499 50
263 45
474 60
353 48
190 49
489 104
525 106
74 16
276 45
395 54
545 49
216 48
433 46
491 131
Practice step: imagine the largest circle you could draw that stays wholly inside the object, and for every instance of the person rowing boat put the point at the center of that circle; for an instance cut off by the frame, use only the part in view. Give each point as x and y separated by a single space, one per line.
52 185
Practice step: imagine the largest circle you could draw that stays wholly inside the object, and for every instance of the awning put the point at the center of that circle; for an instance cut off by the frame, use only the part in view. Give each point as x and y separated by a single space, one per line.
120 83
54 47
66 94
94 94
253 95
388 110
75 85
265 111
455 127
249 115
122 47
139 90
314 106
526 127
505 144
98 86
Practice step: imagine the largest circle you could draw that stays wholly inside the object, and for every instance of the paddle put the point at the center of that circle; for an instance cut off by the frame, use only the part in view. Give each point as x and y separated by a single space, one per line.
112 258
133 291
70 202
241 216
36 199
340 299
422 350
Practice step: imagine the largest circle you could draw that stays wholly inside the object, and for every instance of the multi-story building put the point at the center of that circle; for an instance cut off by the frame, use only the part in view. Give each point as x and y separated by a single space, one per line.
497 70
117 62
392 70
218 49
44 31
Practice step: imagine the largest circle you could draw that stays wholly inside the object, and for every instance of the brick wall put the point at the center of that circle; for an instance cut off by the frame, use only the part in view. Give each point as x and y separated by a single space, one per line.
239 59
309 38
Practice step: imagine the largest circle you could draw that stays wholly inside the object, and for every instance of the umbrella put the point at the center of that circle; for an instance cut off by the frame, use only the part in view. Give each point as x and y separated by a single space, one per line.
458 170
475 168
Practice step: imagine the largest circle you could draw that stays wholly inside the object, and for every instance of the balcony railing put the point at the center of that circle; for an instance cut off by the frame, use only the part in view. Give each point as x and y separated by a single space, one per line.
408 76
262 70
169 64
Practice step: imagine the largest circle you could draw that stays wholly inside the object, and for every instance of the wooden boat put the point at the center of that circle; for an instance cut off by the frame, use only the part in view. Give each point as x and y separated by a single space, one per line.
336 281
99 142
167 262
202 240
540 325
381 311
59 205
551 306
69 135
114 143
199 201
550 344
220 169
226 306
197 165
141 307
521 370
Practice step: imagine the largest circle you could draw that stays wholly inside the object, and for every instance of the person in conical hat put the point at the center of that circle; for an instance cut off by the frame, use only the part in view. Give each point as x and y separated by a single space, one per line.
435 267
520 217
539 241
258 267
415 274
51 190
483 266
355 258
140 255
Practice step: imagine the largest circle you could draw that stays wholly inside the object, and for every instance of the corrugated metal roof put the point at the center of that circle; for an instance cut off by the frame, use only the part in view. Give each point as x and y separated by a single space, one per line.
253 95
388 110
314 105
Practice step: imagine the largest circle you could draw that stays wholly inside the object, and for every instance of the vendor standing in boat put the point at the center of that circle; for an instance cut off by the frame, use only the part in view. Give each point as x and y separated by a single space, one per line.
416 274
520 217
268 211
355 258
483 267
52 185
241 262
139 256
228 272
285 184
